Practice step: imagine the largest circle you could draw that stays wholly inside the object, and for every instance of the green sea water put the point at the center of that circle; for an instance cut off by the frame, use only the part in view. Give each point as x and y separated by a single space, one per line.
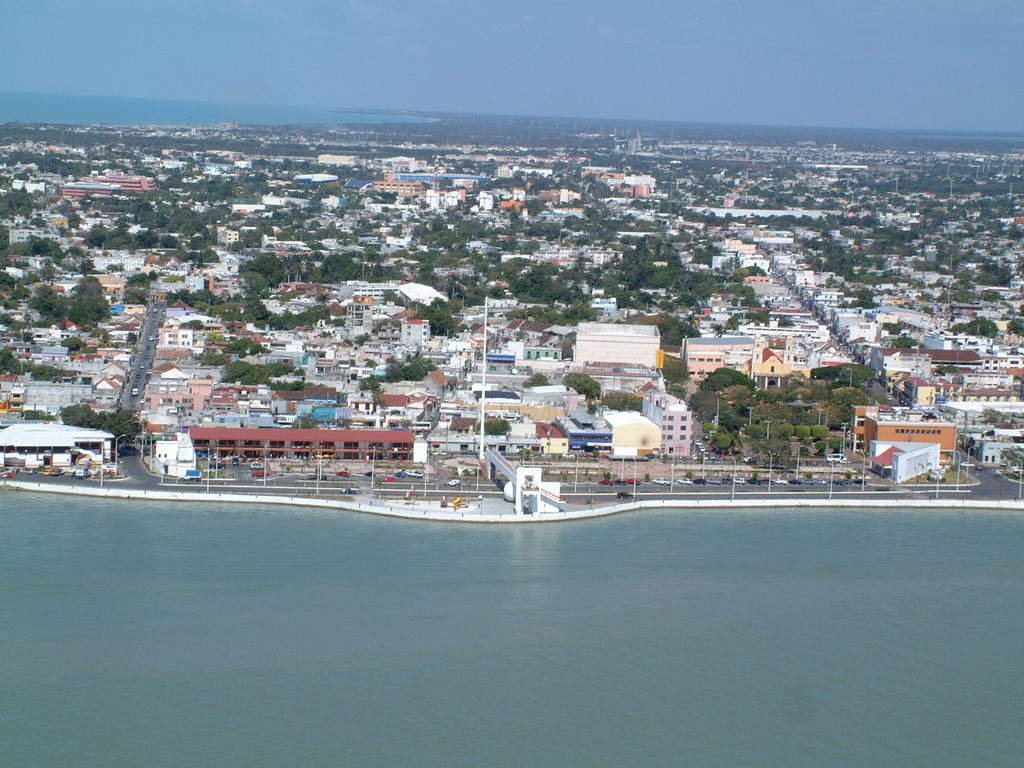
166 635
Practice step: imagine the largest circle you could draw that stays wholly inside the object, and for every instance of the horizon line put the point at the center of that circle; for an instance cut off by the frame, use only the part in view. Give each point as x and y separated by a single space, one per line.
450 113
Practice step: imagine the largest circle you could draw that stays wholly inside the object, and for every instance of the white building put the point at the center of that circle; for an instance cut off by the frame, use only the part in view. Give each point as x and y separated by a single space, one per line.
613 343
57 445
415 333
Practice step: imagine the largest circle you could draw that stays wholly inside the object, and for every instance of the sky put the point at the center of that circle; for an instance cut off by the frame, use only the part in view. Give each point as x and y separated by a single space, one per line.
928 64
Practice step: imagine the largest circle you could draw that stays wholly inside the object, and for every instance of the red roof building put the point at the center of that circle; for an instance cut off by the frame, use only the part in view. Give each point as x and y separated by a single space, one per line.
352 444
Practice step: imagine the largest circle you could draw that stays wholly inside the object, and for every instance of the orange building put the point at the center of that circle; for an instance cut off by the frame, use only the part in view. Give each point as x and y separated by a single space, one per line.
895 430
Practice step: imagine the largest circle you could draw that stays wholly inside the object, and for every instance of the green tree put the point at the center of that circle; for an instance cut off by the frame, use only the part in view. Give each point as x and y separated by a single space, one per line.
584 385
904 342
439 315
89 304
537 380
622 401
496 427
978 326
725 377
119 423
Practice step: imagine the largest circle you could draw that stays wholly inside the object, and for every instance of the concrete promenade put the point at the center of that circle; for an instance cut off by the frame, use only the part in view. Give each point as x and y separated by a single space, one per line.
491 510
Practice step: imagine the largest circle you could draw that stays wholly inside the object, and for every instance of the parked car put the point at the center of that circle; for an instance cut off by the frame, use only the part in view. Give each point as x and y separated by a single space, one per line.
632 481
413 473
700 481
623 495
454 483
256 464
401 473
350 491
344 473
605 481
259 473
661 481
619 482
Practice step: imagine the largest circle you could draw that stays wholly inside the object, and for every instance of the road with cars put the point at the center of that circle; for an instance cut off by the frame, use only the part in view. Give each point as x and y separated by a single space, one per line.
292 478
143 357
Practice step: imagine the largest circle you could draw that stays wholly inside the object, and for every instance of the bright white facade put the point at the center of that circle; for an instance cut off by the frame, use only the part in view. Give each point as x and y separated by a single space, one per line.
36 445
613 343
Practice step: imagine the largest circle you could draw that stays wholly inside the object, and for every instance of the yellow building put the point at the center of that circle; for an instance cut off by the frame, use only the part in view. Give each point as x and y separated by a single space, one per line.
768 367
633 434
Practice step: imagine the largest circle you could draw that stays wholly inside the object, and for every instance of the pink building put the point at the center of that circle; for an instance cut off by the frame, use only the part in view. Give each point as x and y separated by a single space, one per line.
706 355
126 182
675 419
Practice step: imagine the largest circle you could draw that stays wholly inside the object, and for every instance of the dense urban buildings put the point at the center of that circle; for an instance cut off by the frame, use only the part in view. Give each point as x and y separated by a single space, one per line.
660 296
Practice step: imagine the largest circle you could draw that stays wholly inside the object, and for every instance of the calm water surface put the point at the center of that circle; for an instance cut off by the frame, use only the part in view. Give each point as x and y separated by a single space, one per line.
118 110
159 635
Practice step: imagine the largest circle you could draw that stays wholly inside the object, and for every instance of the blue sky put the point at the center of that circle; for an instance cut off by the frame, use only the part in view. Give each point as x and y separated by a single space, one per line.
933 64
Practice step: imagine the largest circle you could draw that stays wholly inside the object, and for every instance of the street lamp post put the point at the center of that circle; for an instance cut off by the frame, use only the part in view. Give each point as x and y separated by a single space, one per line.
771 466
116 438
672 473
732 496
1020 480
576 475
831 477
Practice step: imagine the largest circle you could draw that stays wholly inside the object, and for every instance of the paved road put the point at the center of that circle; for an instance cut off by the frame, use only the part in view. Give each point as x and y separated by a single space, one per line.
143 357
239 480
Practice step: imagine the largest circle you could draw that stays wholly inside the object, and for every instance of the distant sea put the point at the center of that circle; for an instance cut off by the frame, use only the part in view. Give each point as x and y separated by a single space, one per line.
115 110
162 635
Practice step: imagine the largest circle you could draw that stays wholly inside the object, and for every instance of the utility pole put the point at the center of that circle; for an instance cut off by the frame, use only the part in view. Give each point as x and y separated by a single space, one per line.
483 385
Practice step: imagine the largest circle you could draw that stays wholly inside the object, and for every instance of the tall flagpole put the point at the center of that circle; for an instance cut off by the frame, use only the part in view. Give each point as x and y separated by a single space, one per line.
483 385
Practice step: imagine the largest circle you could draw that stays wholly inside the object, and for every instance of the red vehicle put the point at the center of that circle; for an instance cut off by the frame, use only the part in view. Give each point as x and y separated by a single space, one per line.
259 473
632 481
606 481
390 479
344 473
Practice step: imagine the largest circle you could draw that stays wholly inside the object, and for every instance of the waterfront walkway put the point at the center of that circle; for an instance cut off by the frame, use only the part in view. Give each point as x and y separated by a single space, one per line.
490 510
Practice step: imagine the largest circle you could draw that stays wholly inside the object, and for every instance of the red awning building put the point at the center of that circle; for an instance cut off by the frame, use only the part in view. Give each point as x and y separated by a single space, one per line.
269 442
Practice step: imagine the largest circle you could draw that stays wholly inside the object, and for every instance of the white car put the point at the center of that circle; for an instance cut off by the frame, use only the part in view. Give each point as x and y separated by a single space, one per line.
413 473
661 481
454 483
685 481
255 465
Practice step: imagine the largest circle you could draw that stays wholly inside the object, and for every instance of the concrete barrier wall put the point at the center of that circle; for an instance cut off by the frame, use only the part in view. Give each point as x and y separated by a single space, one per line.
413 512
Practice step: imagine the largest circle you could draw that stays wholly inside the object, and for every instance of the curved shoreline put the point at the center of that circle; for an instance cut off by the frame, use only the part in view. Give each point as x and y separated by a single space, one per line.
418 512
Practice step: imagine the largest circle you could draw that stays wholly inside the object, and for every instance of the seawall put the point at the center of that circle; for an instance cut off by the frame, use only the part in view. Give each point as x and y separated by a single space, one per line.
412 511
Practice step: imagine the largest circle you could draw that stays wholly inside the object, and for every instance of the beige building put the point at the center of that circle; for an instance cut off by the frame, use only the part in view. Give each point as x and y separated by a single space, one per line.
633 434
614 343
